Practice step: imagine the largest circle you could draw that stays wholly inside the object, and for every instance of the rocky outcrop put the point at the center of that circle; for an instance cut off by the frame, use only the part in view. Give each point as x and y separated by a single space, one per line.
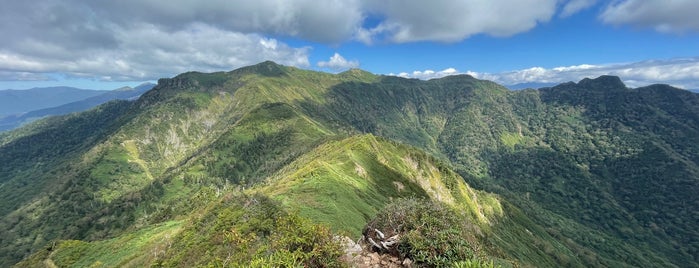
374 250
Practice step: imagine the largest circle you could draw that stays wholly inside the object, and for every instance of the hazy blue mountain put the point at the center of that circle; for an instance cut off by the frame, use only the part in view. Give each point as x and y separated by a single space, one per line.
15 120
533 85
21 101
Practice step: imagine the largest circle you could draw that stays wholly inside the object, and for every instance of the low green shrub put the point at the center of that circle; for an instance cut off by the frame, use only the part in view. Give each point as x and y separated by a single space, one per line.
430 234
253 231
474 263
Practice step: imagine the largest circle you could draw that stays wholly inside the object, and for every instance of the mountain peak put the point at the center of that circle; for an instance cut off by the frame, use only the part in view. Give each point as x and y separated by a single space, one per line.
265 68
458 77
354 71
359 74
126 88
267 64
603 82
145 86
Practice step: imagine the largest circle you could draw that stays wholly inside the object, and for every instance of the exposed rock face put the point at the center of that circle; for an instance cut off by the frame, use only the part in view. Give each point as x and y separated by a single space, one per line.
366 255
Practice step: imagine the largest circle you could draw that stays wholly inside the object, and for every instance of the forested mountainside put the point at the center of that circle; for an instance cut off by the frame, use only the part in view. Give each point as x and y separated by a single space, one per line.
268 164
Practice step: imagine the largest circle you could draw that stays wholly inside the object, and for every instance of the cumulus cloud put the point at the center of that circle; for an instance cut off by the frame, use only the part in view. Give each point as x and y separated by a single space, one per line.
149 52
337 62
147 39
683 73
449 21
323 21
428 74
661 15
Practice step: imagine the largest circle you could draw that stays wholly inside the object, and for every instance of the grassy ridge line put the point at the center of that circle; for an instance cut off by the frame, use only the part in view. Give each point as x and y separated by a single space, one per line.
343 183
257 118
135 249
353 178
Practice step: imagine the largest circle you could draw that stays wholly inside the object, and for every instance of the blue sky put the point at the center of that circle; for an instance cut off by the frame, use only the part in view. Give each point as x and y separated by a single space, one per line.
109 44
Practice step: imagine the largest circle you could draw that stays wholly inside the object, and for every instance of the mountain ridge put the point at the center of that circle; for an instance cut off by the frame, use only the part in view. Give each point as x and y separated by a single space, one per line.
555 160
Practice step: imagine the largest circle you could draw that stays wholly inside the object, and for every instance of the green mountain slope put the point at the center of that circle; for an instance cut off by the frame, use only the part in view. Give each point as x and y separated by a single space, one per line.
581 174
344 183
128 177
557 152
341 184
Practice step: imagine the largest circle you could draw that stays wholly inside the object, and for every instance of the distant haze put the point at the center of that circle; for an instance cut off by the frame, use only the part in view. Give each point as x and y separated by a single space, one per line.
11 121
21 101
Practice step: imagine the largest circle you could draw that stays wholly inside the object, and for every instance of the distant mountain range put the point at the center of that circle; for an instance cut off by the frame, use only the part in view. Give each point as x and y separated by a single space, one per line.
535 85
532 85
275 166
39 97
21 101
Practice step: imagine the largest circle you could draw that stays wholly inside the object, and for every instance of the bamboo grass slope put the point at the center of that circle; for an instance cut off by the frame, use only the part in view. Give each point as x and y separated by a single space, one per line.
206 168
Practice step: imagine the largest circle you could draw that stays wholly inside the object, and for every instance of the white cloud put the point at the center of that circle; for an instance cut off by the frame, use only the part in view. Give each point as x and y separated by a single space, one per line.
335 21
661 15
428 74
451 20
574 6
682 73
147 39
324 21
148 52
337 62
23 76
